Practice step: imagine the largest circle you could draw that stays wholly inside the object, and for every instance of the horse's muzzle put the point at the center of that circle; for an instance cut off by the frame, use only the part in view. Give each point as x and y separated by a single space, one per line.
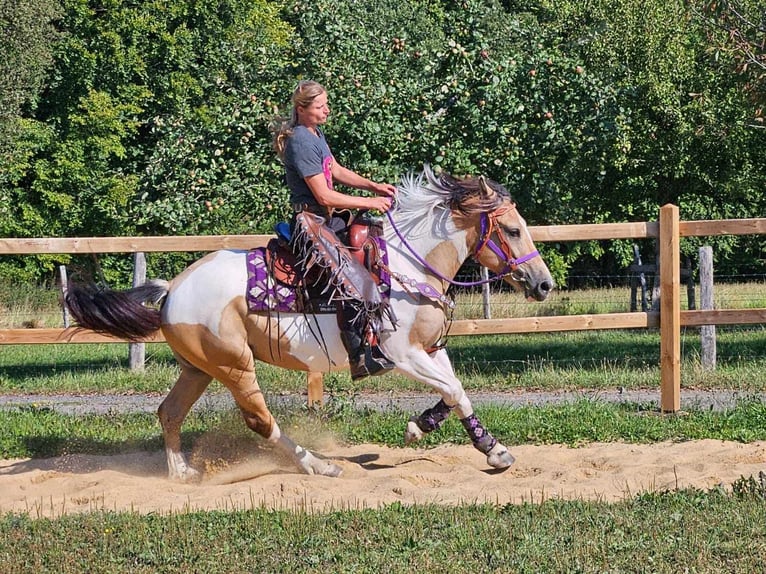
533 290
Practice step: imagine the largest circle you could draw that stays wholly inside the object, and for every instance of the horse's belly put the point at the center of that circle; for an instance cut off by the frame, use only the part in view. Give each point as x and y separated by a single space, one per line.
296 341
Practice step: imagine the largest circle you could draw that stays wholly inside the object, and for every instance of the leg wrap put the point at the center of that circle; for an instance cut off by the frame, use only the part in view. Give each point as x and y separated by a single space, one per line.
482 440
431 419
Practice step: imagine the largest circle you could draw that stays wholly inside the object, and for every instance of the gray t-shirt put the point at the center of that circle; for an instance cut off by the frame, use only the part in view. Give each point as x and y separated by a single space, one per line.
306 154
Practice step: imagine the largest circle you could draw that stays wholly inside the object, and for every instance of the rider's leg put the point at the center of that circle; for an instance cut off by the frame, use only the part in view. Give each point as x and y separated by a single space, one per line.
364 357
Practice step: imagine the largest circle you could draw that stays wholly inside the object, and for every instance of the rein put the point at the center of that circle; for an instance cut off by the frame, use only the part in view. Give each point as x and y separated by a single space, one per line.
488 226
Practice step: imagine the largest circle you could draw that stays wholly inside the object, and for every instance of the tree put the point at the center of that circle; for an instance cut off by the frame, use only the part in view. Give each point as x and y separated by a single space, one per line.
27 37
738 31
688 140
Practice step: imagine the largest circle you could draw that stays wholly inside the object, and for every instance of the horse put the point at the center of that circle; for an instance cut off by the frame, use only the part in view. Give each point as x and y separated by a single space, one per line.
435 225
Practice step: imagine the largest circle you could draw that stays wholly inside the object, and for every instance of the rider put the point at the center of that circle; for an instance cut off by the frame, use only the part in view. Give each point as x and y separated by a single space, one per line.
310 171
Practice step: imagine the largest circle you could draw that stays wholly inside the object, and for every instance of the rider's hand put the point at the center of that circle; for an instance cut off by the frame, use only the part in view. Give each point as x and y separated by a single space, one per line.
384 189
381 203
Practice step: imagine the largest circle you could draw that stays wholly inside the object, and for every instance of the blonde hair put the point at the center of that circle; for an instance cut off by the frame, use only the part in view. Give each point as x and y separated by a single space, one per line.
282 128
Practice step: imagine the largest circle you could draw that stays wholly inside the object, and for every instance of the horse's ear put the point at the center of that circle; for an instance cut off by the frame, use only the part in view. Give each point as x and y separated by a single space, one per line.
486 190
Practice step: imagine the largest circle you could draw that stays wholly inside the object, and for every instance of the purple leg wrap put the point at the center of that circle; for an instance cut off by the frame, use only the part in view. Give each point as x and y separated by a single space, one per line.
482 440
431 419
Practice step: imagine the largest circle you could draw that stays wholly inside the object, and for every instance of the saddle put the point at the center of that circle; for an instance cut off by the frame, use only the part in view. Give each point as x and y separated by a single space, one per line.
279 281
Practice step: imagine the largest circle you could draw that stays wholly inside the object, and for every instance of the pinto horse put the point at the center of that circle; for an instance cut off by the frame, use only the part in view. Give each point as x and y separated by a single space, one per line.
436 224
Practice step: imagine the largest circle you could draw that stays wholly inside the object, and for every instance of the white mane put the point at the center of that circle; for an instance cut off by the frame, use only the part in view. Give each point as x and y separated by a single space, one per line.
423 206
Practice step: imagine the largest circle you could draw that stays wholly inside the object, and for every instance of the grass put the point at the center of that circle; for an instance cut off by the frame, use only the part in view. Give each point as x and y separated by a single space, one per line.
570 360
26 306
666 532
33 431
547 361
714 531
539 361
721 530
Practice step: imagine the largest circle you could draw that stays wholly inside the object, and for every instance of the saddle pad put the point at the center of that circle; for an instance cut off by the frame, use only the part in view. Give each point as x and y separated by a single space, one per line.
263 292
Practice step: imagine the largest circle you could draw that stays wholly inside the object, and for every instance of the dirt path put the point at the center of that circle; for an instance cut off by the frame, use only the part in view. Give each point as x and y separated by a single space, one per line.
372 476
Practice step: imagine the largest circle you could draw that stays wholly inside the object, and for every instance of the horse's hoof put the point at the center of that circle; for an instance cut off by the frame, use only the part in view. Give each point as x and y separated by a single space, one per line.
412 433
187 476
500 459
329 469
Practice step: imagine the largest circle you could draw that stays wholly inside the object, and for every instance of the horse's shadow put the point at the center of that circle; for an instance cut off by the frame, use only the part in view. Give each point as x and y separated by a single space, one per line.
366 461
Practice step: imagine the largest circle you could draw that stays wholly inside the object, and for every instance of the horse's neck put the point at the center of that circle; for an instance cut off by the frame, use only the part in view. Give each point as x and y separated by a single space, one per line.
444 251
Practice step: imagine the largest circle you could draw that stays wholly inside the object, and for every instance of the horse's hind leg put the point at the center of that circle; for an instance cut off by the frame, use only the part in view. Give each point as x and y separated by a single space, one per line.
249 397
173 410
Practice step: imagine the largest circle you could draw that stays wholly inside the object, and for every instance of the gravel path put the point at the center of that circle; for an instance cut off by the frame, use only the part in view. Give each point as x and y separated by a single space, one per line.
101 404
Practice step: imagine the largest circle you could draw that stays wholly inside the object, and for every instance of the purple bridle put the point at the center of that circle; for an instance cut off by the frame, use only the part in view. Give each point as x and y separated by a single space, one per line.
488 226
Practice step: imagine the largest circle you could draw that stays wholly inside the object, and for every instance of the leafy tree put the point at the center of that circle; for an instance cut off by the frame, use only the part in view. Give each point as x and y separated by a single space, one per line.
211 169
688 139
737 31
154 118
122 72
27 35
467 87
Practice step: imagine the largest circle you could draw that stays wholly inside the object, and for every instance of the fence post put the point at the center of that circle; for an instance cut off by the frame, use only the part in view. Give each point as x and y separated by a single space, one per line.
670 309
707 332
137 351
64 280
315 388
485 294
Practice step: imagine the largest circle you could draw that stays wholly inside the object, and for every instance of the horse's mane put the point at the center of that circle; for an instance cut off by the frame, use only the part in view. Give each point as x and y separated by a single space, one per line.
426 201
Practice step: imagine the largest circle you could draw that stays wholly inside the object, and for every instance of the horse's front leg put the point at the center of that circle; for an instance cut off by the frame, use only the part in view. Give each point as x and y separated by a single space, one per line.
436 371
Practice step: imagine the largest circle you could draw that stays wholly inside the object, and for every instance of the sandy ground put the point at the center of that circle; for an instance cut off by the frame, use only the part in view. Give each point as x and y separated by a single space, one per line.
372 476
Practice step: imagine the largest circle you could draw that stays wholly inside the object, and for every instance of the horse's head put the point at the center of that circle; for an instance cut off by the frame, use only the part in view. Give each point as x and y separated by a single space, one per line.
501 241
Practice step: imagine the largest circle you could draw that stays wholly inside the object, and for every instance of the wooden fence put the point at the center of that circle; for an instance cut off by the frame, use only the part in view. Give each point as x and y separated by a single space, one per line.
669 319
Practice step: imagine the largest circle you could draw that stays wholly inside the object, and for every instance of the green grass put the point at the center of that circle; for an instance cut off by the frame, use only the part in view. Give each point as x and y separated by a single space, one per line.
543 361
548 361
666 532
720 530
34 431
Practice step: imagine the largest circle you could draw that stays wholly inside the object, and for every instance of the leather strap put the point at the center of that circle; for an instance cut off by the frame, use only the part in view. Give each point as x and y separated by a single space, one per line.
317 245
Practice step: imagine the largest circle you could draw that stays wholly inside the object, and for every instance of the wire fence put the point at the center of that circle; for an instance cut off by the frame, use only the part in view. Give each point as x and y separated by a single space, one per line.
593 350
40 307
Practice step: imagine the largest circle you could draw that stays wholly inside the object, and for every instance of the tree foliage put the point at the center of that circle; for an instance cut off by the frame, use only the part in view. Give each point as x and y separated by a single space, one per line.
27 35
154 116
737 34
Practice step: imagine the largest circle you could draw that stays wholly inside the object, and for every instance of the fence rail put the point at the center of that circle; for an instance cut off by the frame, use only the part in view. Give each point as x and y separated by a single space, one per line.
668 231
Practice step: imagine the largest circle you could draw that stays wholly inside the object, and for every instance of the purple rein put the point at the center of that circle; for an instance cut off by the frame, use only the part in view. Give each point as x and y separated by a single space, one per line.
487 227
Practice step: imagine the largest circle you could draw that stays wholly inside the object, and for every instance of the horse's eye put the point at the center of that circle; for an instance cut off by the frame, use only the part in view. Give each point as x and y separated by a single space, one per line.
514 232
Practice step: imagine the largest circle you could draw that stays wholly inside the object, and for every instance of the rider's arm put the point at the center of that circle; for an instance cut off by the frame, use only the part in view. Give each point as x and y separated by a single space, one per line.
334 199
350 178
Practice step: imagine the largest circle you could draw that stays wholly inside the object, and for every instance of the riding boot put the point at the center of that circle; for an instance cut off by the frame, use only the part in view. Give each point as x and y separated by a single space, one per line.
365 359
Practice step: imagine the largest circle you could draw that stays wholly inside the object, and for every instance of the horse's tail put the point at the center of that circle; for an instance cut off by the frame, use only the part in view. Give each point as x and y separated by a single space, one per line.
118 313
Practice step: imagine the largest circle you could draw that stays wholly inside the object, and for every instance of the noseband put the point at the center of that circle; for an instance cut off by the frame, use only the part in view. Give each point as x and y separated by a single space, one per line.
489 226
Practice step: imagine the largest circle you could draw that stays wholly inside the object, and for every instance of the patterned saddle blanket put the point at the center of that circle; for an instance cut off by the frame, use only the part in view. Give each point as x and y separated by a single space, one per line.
275 282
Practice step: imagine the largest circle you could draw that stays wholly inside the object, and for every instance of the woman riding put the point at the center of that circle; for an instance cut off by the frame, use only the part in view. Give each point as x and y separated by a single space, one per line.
310 173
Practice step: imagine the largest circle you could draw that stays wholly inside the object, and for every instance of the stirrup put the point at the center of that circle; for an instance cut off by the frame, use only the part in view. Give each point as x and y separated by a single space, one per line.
371 363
